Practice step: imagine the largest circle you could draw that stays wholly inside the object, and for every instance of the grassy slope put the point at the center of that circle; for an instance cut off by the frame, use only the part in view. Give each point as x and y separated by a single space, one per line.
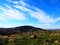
42 38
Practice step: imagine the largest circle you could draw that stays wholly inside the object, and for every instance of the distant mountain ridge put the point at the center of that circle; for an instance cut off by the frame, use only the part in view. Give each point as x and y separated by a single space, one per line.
20 29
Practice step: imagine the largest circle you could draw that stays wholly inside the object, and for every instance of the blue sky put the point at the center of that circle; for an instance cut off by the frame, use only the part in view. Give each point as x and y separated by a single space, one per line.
39 13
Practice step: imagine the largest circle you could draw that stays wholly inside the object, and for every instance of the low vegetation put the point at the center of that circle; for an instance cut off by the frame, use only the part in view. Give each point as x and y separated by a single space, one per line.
38 37
31 38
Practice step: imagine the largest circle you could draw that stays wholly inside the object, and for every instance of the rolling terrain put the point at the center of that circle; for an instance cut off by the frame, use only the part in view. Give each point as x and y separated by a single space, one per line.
20 29
29 35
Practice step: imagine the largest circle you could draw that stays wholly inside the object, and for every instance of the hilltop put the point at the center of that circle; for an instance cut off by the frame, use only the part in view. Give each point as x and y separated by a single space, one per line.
29 35
24 29
19 29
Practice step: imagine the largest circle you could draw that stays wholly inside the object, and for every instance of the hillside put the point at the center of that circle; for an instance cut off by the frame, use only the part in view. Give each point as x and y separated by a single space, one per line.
29 35
20 29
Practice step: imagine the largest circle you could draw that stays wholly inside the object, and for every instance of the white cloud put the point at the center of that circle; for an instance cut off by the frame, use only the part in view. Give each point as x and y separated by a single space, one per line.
2 18
23 3
38 14
1 8
23 8
15 2
43 17
13 13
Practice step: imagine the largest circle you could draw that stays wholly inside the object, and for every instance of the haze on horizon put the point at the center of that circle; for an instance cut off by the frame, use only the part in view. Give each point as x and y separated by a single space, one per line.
39 13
